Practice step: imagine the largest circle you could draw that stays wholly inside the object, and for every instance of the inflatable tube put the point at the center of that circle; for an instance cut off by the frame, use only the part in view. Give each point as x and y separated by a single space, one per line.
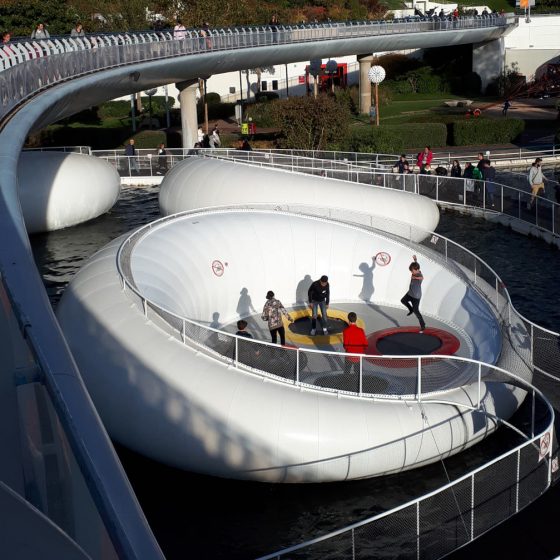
204 182
190 408
59 190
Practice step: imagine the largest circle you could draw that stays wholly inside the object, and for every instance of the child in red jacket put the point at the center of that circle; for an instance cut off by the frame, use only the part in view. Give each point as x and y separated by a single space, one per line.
355 342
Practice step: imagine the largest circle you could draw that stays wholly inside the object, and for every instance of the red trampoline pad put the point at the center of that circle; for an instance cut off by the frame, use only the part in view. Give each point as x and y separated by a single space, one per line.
432 342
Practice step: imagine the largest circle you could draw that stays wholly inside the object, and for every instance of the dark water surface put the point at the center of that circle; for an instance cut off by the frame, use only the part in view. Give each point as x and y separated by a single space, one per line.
200 517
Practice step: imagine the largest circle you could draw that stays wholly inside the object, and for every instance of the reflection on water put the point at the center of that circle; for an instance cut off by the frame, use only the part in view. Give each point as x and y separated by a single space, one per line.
60 254
204 517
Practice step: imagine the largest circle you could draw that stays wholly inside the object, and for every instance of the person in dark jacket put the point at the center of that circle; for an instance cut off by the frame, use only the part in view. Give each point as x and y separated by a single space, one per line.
319 295
402 165
355 342
456 168
489 174
469 182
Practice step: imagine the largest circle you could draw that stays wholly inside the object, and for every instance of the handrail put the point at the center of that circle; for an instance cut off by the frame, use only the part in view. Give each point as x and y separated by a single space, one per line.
497 155
469 476
519 452
83 55
432 186
199 334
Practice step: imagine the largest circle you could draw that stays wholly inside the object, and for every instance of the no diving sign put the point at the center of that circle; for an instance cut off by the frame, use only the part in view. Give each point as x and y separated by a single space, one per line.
382 258
544 445
218 268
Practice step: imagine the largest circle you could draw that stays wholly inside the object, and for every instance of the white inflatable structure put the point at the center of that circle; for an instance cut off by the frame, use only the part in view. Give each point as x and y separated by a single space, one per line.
59 190
204 182
165 392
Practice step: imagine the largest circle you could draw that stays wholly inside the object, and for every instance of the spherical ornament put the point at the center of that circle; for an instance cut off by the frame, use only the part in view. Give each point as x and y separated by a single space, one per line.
331 67
376 74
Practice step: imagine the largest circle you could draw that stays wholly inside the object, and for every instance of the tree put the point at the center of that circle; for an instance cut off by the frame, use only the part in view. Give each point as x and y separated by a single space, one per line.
311 124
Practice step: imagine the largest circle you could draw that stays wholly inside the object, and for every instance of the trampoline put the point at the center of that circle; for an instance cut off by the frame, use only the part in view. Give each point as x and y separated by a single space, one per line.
302 325
408 341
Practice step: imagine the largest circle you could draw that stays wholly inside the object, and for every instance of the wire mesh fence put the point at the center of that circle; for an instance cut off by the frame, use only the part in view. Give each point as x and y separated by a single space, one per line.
439 522
442 521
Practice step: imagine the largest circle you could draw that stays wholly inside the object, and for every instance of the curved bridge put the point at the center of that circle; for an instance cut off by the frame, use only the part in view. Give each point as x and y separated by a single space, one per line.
54 79
158 59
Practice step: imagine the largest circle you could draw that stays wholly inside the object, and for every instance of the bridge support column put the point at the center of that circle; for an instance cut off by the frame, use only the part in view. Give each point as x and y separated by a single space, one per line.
365 85
189 120
488 60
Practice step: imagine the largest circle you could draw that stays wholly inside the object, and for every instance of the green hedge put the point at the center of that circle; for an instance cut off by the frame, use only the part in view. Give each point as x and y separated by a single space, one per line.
212 98
216 111
97 138
114 109
485 131
264 96
121 109
397 137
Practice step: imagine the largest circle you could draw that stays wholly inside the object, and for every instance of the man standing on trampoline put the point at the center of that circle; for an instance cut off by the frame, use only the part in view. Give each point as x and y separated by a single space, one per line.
319 294
411 300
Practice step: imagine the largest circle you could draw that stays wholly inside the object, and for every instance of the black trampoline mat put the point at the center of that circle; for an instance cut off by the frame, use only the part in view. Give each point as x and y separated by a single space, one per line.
303 325
408 344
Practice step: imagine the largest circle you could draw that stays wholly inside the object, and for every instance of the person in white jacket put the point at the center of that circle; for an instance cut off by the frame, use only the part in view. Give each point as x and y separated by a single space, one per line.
40 32
215 141
536 180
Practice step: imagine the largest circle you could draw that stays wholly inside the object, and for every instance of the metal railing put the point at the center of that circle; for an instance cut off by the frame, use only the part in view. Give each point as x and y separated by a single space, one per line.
299 366
151 164
441 521
544 214
54 452
448 518
30 66
86 150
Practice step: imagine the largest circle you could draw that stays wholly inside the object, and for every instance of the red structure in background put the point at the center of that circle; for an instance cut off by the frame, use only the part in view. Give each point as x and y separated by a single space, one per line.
339 78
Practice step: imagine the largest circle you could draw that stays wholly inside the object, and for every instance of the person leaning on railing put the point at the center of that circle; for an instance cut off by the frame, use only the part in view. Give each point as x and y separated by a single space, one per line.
78 31
40 32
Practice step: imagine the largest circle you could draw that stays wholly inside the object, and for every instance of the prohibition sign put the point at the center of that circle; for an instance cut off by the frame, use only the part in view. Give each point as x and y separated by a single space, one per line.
382 258
217 268
544 445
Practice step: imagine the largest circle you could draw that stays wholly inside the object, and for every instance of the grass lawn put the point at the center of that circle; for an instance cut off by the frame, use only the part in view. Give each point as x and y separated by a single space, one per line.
423 109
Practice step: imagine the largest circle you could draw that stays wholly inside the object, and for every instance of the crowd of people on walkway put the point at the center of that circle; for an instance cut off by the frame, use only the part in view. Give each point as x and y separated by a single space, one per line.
480 178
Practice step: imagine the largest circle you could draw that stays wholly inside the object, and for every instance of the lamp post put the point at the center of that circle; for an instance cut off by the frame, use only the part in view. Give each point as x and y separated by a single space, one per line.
332 68
315 70
150 93
376 75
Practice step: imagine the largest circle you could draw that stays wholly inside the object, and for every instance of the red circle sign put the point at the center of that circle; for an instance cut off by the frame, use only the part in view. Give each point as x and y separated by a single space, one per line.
217 268
545 443
382 258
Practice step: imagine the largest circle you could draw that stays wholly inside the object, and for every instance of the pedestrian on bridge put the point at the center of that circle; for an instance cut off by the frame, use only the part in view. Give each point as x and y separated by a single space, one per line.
536 180
40 32
130 153
78 31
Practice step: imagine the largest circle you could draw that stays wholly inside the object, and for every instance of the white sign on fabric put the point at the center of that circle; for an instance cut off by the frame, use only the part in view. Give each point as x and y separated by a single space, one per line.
544 445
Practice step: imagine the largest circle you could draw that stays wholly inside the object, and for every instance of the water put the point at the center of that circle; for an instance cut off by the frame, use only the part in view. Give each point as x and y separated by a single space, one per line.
196 516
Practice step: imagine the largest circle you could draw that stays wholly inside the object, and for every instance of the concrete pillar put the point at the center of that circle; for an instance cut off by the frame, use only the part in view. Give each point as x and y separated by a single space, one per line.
189 121
488 60
365 85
